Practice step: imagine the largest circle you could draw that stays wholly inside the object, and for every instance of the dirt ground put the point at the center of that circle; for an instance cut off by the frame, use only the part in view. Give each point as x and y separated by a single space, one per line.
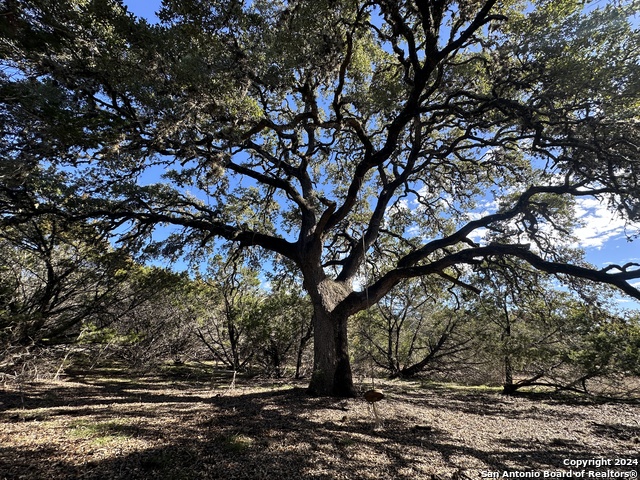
106 425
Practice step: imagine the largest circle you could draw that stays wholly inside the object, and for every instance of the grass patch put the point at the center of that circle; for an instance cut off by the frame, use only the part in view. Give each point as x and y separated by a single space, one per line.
459 387
101 432
238 443
196 371
32 415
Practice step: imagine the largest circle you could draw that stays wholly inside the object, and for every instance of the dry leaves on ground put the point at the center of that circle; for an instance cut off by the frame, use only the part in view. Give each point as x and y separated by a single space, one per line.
96 427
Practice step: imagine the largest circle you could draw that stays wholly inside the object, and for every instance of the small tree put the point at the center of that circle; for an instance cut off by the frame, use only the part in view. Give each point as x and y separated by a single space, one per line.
607 354
149 324
66 285
415 328
542 333
227 307
54 278
282 330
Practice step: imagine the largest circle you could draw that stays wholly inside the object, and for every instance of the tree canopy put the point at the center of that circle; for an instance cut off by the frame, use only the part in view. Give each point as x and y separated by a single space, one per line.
364 142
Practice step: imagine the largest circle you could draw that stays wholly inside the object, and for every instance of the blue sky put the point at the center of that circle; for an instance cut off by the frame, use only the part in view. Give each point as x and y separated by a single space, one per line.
603 235
144 8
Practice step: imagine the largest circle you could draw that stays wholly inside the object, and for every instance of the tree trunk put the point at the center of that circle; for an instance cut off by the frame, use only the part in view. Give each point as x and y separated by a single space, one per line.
302 344
331 365
508 387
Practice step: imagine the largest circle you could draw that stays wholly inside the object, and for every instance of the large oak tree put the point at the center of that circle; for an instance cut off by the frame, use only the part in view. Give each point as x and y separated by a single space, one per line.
435 134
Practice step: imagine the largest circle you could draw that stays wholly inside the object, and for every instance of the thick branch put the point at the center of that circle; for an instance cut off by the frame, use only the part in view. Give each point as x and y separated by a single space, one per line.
358 301
243 236
461 235
411 106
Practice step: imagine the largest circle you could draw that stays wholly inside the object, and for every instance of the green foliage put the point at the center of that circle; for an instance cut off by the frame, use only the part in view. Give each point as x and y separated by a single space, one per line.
65 285
612 347
538 333
282 329
55 278
337 134
238 443
243 324
150 321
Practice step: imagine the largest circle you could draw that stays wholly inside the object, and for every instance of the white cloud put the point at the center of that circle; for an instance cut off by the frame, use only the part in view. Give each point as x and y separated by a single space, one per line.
265 284
478 235
599 224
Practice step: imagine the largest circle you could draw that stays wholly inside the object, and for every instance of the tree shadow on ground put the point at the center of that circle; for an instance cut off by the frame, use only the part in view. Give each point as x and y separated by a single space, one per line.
219 433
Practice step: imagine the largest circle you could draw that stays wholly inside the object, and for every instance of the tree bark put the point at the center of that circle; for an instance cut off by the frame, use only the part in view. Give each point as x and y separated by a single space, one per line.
331 365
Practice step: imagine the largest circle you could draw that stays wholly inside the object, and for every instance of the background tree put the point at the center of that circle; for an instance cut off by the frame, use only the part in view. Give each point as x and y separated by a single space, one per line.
539 332
326 131
419 326
66 284
228 306
603 358
54 278
283 330
147 323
